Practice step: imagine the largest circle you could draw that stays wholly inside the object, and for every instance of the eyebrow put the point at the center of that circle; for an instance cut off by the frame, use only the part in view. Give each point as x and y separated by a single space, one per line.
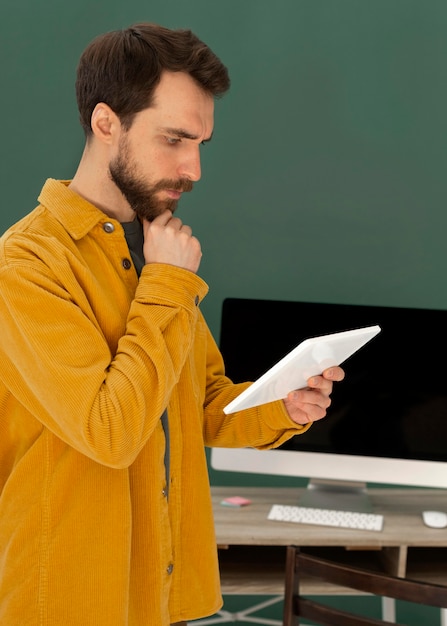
183 134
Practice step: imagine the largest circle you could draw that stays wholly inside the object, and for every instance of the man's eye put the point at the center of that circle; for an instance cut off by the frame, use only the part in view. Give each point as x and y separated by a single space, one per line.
172 141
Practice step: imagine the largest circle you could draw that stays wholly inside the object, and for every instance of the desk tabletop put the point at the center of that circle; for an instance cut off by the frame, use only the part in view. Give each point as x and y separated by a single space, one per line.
401 508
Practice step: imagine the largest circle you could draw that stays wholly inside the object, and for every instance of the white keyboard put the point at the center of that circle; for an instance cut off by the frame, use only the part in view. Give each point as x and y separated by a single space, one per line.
326 517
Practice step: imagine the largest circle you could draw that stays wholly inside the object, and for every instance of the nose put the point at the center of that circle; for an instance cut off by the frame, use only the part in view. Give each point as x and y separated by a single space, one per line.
190 166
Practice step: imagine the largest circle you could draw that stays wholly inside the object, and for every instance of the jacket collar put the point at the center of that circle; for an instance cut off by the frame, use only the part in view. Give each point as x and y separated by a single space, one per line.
77 215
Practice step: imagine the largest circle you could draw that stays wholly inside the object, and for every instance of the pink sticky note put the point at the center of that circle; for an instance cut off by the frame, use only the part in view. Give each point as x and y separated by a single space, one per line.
236 501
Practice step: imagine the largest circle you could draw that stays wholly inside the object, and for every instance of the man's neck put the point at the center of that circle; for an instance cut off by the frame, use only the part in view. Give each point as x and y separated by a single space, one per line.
92 182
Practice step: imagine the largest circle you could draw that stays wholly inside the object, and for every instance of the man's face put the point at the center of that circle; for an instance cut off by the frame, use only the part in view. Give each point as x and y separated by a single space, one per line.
158 158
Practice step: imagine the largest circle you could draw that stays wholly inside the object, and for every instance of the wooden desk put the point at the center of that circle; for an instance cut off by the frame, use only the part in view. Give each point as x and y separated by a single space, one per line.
252 548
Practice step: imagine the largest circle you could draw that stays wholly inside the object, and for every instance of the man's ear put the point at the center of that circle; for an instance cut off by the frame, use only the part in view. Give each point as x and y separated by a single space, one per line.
105 123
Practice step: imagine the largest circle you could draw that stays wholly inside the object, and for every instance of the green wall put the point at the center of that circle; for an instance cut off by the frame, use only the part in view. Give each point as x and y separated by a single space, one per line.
326 177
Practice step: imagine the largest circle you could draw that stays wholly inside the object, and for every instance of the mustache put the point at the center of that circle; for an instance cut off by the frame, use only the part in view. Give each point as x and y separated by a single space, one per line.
181 184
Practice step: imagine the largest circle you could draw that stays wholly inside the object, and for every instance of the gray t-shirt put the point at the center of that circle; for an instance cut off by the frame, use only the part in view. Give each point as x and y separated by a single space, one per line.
134 236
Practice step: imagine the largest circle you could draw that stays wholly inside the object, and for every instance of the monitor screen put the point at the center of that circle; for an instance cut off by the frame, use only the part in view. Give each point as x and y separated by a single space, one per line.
388 419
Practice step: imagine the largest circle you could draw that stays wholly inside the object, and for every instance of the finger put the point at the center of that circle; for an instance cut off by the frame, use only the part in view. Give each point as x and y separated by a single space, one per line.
321 383
163 218
186 229
308 397
332 374
303 412
335 373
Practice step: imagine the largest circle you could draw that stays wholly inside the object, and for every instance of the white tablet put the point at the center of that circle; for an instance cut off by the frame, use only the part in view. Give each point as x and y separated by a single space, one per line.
309 358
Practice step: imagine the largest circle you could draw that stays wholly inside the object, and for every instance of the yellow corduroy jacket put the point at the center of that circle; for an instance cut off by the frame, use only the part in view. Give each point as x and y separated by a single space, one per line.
90 357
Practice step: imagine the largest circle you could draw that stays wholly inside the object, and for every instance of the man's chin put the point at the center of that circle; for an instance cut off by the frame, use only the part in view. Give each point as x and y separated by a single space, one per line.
150 213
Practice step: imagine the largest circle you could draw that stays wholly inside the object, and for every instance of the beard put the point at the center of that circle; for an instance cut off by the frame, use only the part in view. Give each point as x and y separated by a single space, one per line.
141 195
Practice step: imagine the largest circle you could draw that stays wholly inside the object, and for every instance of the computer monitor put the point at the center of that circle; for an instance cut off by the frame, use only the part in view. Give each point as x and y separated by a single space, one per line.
387 423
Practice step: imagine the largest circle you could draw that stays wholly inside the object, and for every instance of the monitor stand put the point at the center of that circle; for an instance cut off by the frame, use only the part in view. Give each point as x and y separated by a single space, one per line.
336 495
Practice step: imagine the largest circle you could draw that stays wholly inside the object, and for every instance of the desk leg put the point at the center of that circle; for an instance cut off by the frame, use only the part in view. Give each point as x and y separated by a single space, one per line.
226 617
389 609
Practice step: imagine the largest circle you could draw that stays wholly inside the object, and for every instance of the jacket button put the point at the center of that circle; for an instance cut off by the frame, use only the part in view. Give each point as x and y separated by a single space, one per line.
196 300
108 227
170 568
127 264
164 492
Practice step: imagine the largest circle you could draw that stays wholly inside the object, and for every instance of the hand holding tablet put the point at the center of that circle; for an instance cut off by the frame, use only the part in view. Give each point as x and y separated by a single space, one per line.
310 358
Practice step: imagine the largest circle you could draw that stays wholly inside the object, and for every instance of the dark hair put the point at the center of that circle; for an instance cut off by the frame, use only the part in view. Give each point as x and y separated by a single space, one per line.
122 68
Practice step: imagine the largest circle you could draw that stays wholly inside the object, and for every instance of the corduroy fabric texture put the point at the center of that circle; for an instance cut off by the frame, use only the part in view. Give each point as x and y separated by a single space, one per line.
91 356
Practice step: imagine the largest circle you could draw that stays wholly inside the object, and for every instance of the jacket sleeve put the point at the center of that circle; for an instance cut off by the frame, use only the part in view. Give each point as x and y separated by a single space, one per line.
262 427
61 370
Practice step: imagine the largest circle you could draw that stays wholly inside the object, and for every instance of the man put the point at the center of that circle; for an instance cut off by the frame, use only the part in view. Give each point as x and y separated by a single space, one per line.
111 384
